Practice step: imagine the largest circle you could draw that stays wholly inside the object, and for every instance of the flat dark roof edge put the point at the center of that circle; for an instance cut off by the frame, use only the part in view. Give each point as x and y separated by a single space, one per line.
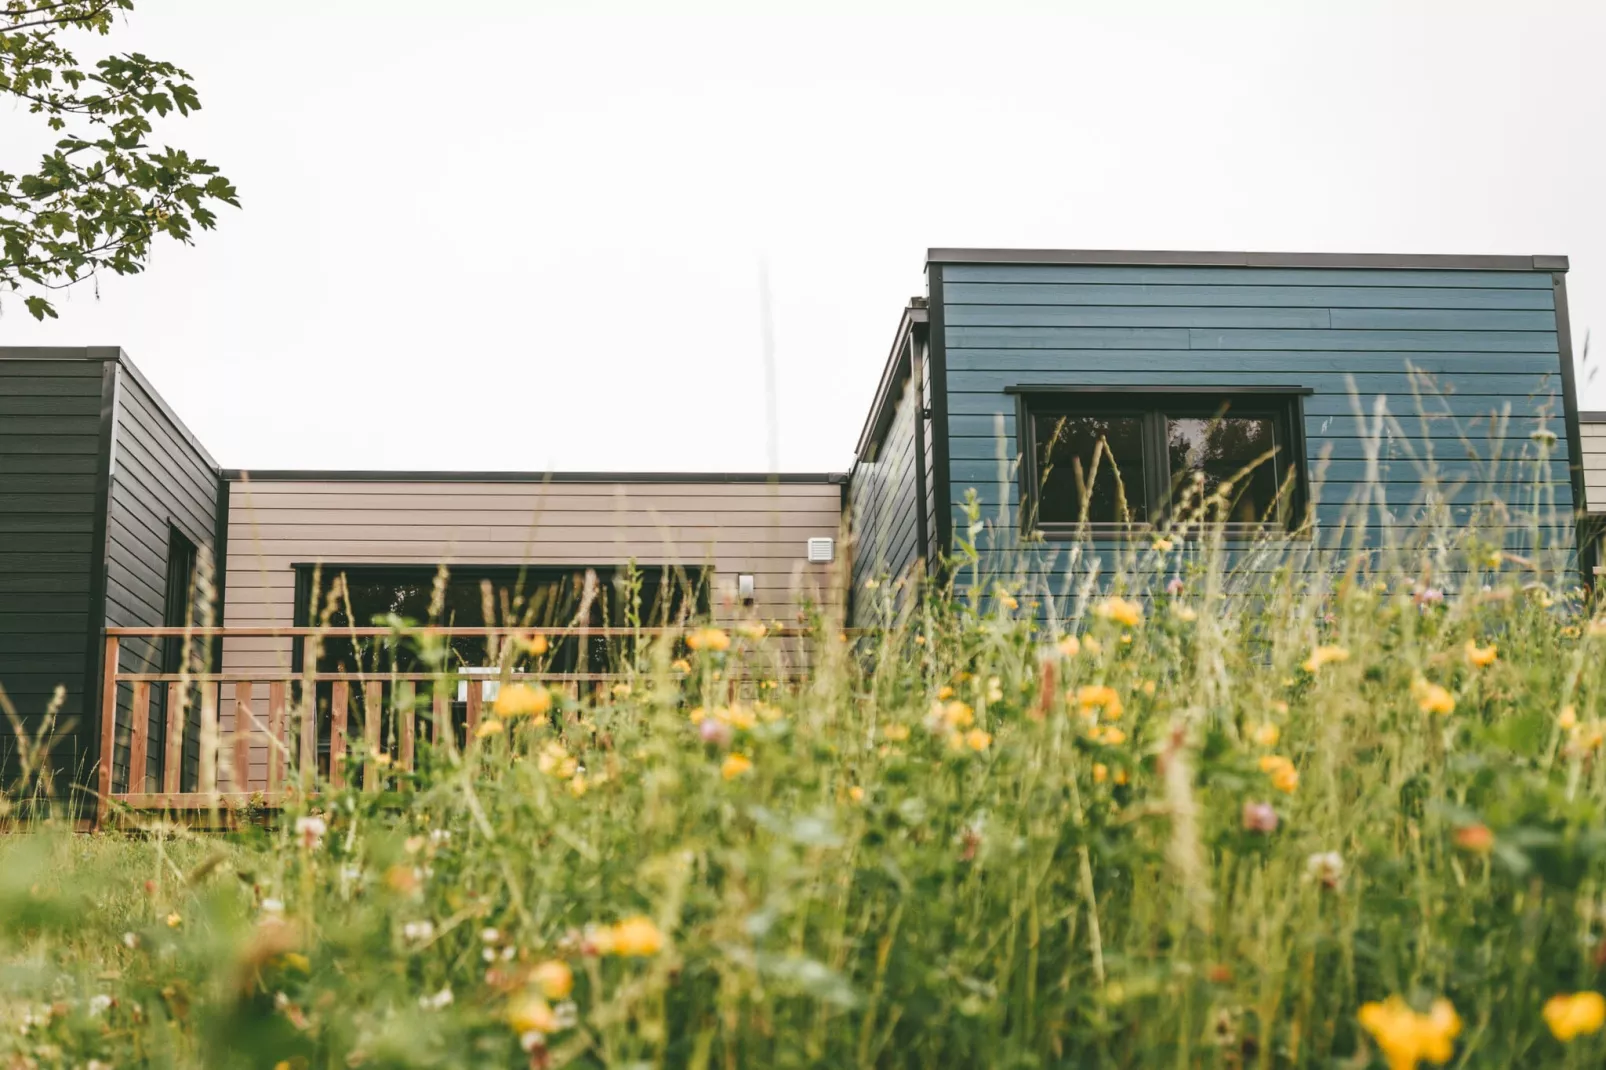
1171 258
236 475
1597 417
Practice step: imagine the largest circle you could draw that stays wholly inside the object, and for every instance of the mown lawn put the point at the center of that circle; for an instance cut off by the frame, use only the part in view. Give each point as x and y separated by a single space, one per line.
1332 821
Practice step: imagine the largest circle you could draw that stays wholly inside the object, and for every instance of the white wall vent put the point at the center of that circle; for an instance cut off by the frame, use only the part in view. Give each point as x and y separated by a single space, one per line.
822 551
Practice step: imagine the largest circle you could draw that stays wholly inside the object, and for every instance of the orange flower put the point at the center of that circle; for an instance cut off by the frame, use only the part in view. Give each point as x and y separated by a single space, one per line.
1325 655
1481 656
1095 700
1576 1015
1475 838
735 765
711 639
522 700
1431 698
1120 610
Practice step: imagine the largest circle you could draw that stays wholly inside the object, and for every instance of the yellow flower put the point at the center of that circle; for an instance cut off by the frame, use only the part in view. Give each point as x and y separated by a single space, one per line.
1163 546
895 733
1120 776
1575 1015
1148 687
957 714
1095 700
1267 735
554 978
944 693
1325 655
535 644
697 715
1092 645
1431 698
1406 1037
752 629
1070 646
734 766
529 1013
977 740
636 937
1008 601
995 689
491 726
174 921
1284 777
680 665
856 793
578 785
555 760
1110 736
522 700
1119 610
1101 772
1568 719
1481 656
713 639
621 690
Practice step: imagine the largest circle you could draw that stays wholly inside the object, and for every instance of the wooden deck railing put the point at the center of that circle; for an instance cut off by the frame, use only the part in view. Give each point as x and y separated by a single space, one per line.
289 723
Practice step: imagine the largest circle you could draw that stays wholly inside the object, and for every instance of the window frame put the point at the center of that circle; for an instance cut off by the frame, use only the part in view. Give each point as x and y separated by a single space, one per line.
1156 406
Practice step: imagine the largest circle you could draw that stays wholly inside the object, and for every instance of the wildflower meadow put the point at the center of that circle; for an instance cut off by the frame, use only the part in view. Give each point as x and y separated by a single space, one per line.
1344 811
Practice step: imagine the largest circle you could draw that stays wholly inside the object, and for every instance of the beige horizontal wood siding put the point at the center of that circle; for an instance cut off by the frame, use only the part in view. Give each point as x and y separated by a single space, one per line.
734 528
1594 443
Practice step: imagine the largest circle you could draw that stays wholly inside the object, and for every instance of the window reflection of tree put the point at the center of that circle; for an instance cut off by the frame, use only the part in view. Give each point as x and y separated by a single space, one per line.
1207 452
1104 460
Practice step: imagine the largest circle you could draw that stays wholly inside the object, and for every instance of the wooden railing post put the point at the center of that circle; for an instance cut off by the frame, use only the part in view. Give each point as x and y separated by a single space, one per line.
404 697
373 700
206 782
340 698
441 709
173 738
309 712
241 781
108 727
140 743
476 695
276 741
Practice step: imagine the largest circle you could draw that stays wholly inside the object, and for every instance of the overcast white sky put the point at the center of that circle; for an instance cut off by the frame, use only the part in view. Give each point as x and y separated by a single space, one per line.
519 235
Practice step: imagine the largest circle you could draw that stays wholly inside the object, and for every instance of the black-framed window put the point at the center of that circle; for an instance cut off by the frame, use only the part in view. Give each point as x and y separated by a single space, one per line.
1117 459
178 595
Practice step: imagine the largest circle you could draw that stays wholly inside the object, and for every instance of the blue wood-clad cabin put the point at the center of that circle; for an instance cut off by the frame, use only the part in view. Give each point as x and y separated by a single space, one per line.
1023 374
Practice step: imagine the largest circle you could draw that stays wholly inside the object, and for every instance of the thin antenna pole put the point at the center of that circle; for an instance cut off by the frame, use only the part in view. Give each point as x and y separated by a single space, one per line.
766 315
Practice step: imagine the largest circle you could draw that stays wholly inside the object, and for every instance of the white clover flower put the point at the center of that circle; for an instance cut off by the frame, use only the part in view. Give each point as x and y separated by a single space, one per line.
99 1004
273 907
490 936
439 836
418 931
130 941
1325 866
439 1001
532 1040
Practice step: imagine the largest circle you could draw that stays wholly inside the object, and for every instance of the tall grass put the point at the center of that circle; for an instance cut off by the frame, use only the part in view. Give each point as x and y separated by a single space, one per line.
1192 808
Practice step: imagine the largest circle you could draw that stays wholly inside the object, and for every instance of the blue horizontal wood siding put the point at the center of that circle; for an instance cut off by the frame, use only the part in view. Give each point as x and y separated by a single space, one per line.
883 509
1467 364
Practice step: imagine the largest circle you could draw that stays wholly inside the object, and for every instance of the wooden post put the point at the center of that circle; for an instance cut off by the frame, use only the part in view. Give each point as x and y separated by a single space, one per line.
340 699
277 741
475 693
440 705
108 727
173 736
139 745
406 695
373 702
309 713
206 782
242 736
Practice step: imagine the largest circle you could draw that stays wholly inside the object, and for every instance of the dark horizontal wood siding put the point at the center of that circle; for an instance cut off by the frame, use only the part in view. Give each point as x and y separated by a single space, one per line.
51 446
159 478
883 494
1466 363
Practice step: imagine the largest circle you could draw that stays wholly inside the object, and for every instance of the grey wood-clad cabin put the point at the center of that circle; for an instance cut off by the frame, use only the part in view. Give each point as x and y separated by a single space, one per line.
1002 376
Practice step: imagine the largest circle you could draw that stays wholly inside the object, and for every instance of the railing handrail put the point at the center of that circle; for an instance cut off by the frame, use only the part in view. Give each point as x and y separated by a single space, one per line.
432 631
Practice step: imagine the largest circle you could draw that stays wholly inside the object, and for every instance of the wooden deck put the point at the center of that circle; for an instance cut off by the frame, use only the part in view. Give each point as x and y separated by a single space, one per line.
273 707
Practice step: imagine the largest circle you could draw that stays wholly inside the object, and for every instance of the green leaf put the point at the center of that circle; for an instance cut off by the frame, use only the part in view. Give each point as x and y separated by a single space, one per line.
39 307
